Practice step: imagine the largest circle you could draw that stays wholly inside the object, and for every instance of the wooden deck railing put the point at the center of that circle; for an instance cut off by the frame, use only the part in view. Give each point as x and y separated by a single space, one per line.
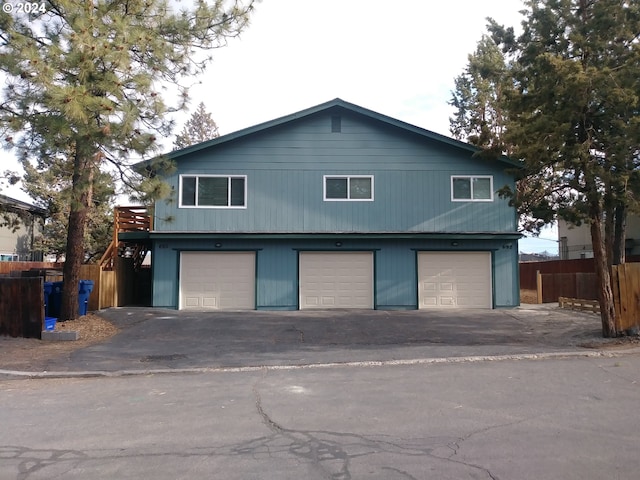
132 219
126 219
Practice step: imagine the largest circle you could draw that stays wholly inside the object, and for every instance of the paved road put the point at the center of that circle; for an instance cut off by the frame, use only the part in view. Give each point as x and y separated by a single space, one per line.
515 419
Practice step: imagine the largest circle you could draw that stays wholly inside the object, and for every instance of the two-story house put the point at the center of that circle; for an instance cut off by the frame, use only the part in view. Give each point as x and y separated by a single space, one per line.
335 206
18 231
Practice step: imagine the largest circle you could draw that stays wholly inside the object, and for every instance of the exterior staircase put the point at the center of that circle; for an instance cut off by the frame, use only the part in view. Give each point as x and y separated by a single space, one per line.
126 220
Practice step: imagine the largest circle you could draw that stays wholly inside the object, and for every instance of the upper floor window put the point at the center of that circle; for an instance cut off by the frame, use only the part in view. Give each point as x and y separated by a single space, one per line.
472 188
213 191
348 187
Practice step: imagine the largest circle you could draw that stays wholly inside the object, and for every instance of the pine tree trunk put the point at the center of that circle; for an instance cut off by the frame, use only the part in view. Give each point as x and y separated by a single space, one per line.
73 259
619 235
609 225
81 200
603 276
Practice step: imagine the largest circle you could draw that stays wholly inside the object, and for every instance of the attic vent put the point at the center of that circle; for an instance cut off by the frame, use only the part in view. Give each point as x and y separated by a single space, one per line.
336 124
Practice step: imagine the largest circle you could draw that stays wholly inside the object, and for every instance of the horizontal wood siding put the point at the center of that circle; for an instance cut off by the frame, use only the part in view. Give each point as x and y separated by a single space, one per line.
285 169
277 268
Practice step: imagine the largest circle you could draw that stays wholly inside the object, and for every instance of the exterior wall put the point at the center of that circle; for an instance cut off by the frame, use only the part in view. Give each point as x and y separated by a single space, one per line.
577 243
578 239
18 243
285 168
395 267
633 235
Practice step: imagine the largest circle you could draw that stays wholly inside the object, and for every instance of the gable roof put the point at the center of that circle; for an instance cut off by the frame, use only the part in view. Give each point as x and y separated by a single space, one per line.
16 206
335 104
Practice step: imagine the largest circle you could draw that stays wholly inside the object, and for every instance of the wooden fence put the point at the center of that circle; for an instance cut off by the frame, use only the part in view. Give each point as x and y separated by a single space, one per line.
104 287
22 296
104 294
580 288
572 285
626 295
7 267
21 306
528 270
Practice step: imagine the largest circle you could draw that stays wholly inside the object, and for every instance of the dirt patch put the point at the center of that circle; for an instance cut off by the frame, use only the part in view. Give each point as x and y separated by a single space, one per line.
32 354
614 343
528 296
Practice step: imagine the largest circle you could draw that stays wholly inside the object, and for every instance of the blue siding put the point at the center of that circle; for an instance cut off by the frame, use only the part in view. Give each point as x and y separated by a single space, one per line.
507 278
277 268
285 168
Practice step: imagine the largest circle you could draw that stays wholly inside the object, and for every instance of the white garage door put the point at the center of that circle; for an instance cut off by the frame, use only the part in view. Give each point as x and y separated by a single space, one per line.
217 280
336 280
454 279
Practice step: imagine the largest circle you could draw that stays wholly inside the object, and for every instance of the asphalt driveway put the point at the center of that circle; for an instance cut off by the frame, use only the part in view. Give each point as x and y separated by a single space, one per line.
158 339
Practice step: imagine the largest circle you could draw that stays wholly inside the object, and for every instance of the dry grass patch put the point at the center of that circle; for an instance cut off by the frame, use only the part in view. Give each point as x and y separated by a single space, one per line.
528 296
33 354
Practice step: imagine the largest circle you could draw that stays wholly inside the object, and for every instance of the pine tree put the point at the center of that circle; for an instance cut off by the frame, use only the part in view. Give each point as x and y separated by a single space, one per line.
51 190
479 98
83 82
481 118
199 128
573 118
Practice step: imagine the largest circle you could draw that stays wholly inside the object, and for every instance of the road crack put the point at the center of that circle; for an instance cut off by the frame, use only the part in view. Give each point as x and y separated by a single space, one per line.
332 453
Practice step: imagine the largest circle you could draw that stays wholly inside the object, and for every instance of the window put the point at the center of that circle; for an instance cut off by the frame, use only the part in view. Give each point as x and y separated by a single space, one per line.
213 191
472 188
350 188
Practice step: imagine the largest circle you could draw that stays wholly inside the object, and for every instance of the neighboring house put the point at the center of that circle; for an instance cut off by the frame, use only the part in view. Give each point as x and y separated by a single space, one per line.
17 244
335 206
575 242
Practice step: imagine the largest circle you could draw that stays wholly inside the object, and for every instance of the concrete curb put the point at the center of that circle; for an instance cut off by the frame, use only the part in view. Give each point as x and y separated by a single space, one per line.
16 374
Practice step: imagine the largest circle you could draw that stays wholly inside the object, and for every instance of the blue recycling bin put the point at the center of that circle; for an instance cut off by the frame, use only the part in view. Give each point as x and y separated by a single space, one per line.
48 288
85 287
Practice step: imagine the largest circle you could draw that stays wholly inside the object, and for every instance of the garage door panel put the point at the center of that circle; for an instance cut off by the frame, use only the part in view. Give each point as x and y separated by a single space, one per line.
447 301
454 279
210 302
192 302
336 280
328 301
217 280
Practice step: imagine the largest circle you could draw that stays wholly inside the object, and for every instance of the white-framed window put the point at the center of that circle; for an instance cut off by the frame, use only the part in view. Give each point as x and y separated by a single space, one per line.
213 191
348 188
472 188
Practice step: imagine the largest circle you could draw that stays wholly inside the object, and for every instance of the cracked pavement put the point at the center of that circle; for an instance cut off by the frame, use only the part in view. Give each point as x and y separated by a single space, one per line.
569 418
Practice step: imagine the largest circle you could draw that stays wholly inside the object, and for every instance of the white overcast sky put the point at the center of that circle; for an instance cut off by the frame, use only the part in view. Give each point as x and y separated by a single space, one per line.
397 58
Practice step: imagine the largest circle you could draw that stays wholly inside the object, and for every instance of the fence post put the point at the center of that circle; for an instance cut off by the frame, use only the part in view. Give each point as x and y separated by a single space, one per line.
539 285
